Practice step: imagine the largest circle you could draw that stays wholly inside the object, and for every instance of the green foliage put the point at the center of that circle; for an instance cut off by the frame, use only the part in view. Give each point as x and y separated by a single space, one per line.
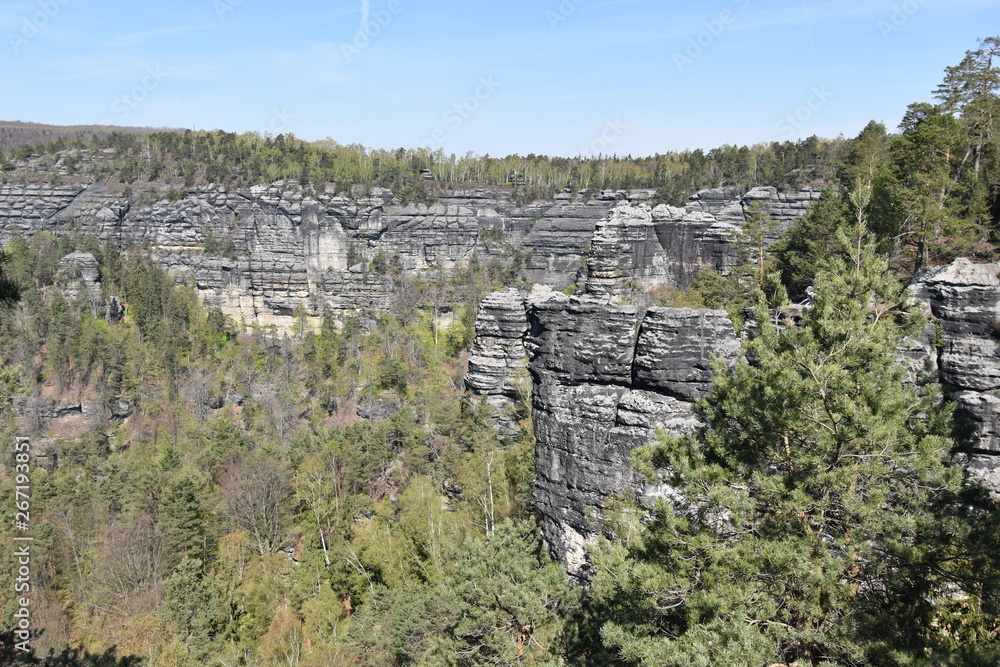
190 603
210 243
10 291
821 517
415 175
500 601
227 506
812 239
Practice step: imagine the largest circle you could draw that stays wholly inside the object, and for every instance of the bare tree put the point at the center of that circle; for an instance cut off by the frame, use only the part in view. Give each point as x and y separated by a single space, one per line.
255 498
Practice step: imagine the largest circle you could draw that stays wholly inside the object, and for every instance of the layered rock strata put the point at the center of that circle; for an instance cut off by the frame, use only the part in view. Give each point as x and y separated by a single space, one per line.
964 300
606 377
262 252
668 246
498 362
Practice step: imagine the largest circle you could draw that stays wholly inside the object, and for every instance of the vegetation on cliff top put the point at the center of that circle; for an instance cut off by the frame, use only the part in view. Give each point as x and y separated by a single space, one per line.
226 504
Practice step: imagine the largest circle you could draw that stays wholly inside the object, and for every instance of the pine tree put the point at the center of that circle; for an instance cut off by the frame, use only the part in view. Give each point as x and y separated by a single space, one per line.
817 517
10 292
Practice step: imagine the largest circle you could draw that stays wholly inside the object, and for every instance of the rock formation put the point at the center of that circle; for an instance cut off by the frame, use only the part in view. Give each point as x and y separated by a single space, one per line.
290 246
282 246
668 246
964 300
498 354
606 377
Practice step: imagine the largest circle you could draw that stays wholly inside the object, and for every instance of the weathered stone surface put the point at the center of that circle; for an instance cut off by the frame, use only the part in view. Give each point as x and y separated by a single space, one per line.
675 349
579 340
668 246
964 299
292 246
607 377
604 384
498 354
79 275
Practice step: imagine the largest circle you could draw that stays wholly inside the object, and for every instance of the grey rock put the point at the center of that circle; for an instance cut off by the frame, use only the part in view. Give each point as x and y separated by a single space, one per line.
605 383
295 246
382 407
579 340
608 378
675 350
668 246
498 351
79 275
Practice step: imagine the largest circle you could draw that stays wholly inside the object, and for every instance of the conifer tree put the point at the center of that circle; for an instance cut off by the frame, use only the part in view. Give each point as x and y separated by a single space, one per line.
10 292
817 517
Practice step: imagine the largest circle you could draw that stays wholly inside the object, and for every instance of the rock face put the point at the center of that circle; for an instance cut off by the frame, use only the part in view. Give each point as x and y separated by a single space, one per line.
262 252
287 245
79 273
498 353
668 246
606 377
964 298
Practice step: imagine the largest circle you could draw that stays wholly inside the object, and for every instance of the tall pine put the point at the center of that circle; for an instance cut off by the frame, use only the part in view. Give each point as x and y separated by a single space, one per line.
818 517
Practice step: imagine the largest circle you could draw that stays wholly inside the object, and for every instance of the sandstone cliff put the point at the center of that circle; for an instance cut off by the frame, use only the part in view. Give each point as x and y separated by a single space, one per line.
668 246
606 377
290 246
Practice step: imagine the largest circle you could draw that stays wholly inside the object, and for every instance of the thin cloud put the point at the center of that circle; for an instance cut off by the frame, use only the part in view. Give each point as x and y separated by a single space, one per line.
366 9
135 38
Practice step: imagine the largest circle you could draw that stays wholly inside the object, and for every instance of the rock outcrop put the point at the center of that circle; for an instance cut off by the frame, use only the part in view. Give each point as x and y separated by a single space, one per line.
606 377
498 355
79 274
964 299
263 252
282 245
668 246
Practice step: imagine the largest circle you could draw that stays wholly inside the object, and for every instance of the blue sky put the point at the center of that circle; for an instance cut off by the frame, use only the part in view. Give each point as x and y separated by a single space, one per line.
559 77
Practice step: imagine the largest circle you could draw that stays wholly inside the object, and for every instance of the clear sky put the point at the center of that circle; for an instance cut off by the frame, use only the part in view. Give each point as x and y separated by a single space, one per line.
556 77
